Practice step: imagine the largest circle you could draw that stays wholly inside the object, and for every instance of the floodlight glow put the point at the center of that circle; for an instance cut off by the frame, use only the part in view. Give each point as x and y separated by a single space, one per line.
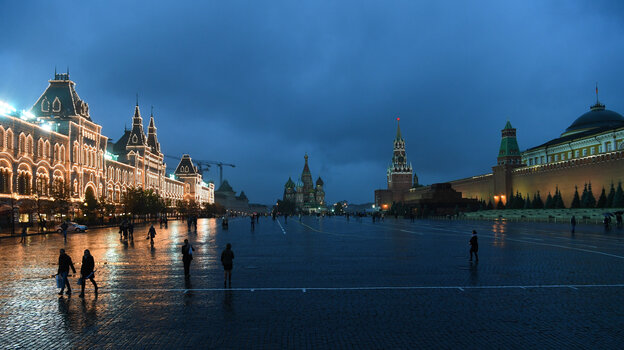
27 115
46 127
6 108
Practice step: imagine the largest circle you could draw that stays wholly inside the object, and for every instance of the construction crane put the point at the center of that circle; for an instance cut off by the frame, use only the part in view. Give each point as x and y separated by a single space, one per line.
204 165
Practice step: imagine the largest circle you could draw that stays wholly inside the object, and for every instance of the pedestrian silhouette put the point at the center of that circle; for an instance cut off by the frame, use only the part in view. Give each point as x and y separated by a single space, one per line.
64 263
187 256
151 234
474 246
87 272
227 257
24 232
573 223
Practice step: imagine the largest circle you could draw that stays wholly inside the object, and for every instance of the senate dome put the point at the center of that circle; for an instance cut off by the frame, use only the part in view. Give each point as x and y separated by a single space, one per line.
597 117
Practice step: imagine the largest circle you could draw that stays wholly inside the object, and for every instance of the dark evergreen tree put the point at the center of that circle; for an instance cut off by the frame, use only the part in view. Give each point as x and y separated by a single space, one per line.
537 202
558 199
584 198
618 199
591 200
519 201
576 201
602 200
489 205
500 204
527 203
549 202
610 197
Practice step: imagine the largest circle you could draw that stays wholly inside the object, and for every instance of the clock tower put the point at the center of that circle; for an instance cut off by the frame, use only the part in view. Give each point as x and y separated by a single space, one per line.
399 172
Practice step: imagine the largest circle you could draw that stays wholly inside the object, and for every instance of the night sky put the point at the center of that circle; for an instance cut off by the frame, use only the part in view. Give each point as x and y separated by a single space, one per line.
260 83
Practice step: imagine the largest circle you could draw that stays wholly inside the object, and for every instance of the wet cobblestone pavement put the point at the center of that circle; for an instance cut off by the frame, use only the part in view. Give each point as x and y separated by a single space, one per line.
322 283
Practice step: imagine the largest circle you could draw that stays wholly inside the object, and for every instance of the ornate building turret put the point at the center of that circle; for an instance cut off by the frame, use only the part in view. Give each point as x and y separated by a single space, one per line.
320 194
399 172
509 158
152 140
137 139
509 152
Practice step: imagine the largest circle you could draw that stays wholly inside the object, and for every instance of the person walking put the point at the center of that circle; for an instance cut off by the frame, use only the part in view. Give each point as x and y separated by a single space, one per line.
151 234
131 231
64 263
165 222
227 257
573 223
187 256
474 246
24 232
64 227
87 271
253 223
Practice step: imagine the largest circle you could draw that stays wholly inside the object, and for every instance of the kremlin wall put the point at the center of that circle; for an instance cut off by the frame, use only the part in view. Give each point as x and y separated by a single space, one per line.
591 150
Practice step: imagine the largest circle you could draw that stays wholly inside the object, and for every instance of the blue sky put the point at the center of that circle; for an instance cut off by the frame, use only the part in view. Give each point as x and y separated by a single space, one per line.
260 83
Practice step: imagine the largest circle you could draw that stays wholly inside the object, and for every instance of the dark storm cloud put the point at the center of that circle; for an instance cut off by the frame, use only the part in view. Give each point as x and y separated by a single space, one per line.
261 83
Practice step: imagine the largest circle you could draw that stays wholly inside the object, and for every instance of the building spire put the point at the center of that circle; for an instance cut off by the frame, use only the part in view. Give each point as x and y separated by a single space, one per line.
137 99
597 101
398 135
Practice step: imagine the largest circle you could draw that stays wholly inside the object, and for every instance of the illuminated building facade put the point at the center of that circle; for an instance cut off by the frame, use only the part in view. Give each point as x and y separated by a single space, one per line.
307 197
56 146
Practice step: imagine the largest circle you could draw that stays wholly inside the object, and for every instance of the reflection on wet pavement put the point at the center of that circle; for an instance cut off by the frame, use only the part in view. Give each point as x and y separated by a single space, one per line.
321 282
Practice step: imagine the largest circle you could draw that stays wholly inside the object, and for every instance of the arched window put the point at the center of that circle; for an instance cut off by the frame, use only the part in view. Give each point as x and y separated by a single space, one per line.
1 137
9 139
56 105
46 149
62 153
58 184
42 182
40 152
29 145
21 145
5 177
45 105
23 183
56 152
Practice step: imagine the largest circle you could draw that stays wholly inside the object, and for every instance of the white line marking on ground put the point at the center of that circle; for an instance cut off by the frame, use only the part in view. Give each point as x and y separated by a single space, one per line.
418 233
280 225
462 288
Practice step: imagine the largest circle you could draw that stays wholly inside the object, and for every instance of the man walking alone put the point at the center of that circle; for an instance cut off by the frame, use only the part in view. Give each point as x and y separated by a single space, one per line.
187 256
227 257
474 246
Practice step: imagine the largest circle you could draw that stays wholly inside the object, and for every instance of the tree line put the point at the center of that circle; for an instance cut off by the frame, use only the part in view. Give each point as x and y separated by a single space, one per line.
614 199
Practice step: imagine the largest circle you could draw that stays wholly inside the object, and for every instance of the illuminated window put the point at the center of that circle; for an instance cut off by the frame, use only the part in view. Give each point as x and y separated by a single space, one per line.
563 156
21 144
56 105
9 139
569 155
592 150
542 160
608 146
584 152
556 157
576 154
45 105
600 149
40 148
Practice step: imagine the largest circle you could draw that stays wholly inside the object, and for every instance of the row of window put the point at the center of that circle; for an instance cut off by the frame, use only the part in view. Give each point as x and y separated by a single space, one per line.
584 152
24 183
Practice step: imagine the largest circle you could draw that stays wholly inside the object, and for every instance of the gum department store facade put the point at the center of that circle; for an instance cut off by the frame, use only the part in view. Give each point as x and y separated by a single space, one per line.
56 145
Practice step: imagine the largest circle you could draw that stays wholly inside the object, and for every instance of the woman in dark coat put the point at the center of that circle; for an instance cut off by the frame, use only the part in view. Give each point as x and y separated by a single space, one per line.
474 245
87 271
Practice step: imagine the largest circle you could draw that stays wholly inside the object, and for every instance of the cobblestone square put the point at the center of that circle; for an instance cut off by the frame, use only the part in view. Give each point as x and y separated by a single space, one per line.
322 283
